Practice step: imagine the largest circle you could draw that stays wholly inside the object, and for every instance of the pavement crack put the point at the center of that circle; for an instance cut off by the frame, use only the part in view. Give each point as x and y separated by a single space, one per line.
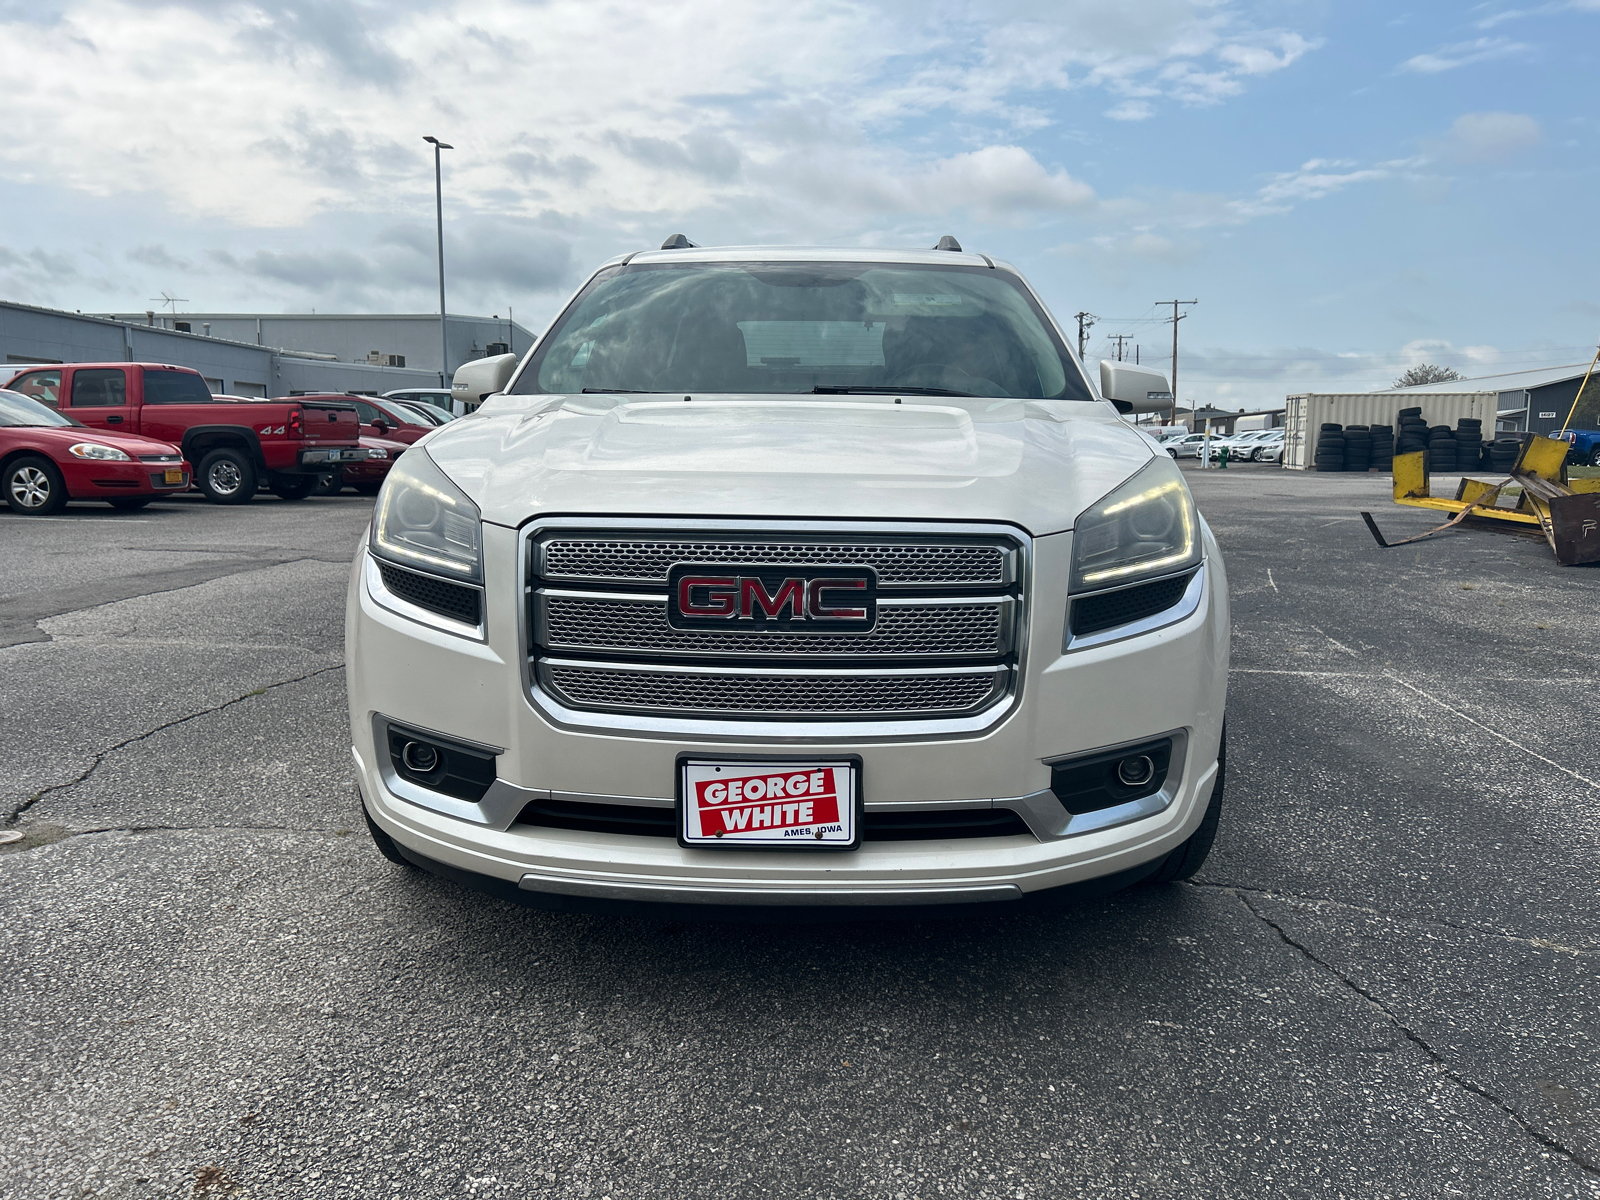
1413 918
1578 1159
101 755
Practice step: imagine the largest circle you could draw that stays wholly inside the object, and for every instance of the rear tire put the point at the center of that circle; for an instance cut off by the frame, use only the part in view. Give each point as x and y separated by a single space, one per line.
130 503
329 485
33 487
1191 856
292 487
1594 459
227 476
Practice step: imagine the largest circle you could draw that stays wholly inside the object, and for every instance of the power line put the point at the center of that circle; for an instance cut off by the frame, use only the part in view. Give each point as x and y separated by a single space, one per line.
1086 322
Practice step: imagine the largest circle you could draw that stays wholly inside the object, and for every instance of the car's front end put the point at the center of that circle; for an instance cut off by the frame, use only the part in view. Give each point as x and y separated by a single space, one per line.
758 651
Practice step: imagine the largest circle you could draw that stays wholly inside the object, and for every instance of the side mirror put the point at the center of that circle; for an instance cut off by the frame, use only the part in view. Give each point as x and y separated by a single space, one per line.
380 425
1134 389
482 377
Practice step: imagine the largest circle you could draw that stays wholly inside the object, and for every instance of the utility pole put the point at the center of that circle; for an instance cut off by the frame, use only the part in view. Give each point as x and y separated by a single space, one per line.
1175 318
1086 322
438 209
1119 339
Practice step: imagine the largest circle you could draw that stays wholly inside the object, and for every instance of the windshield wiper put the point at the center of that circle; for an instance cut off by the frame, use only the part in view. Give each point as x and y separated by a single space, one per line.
845 389
619 392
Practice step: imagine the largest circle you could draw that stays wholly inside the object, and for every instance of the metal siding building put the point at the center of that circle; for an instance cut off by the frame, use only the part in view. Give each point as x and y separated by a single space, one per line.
43 335
1536 401
355 337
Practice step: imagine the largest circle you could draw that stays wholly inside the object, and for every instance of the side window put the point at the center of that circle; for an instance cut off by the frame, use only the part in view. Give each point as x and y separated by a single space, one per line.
43 386
173 387
368 413
99 387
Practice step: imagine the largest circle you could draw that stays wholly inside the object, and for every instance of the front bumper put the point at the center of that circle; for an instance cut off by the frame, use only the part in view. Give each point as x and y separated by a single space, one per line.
1170 680
101 479
320 461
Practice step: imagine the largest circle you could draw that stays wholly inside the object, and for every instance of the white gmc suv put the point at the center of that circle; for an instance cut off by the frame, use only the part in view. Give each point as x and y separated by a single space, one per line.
791 578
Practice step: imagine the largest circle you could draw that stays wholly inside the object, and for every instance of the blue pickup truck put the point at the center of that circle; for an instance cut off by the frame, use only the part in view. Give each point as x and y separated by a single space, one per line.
1585 446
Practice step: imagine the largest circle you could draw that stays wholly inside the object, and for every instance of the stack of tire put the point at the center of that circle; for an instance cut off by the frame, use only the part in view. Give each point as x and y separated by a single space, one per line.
1357 448
1330 448
1502 454
1469 443
1413 434
1382 446
1441 448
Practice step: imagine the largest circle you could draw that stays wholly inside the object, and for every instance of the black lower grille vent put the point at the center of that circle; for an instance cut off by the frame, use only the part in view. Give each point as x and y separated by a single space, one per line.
879 826
435 595
1091 614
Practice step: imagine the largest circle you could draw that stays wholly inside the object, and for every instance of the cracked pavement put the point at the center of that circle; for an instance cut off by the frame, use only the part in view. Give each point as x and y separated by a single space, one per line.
1382 985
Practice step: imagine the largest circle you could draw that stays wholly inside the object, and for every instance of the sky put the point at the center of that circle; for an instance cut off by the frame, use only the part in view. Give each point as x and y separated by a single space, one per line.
1347 189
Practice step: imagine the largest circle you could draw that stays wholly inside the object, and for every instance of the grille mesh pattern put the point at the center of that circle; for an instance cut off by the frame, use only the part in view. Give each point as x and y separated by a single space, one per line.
794 695
435 595
1094 613
897 563
599 624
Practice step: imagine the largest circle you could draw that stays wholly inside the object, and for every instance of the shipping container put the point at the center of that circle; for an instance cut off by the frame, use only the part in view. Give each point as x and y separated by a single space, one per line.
1305 415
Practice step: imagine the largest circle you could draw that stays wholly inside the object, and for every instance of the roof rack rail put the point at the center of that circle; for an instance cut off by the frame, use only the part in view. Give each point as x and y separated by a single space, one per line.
678 242
948 243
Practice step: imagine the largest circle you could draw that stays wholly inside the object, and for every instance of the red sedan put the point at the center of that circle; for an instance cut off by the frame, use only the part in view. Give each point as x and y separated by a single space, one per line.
47 458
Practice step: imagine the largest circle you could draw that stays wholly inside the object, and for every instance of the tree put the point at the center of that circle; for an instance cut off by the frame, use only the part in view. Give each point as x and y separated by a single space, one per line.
1426 373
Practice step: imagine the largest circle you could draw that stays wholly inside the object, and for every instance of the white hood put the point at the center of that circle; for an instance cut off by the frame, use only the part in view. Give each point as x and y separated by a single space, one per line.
1033 463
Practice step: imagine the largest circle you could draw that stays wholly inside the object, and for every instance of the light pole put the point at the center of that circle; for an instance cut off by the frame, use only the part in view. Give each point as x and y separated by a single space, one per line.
438 209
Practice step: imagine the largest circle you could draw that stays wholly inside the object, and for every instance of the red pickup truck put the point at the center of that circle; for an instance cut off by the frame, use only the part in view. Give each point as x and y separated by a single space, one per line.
235 448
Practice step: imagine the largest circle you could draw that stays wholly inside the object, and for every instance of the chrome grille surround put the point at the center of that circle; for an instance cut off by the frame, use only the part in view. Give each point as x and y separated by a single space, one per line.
943 660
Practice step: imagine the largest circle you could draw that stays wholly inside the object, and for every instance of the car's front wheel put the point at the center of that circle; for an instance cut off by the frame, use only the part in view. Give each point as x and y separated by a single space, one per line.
1188 858
227 476
33 486
1174 454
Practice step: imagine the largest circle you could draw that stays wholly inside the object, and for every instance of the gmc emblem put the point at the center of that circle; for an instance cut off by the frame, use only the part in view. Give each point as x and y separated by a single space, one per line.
836 599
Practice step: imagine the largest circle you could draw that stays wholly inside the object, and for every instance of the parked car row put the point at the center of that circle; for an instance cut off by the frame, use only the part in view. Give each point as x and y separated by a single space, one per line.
1255 445
98 431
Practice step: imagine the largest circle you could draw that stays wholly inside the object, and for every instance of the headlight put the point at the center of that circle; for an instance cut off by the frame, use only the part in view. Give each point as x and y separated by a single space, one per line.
377 452
426 522
96 450
1147 527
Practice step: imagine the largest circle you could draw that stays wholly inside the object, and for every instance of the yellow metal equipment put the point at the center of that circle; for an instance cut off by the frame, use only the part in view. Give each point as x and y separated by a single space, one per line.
1538 494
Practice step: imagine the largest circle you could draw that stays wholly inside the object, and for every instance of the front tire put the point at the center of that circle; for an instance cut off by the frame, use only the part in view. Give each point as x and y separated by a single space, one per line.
33 486
227 476
1191 856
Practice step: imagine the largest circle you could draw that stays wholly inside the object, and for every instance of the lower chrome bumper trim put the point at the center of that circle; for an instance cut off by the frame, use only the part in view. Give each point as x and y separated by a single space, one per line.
707 892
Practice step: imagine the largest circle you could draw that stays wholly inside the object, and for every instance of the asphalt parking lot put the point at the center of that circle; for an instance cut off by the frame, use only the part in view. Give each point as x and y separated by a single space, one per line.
1383 984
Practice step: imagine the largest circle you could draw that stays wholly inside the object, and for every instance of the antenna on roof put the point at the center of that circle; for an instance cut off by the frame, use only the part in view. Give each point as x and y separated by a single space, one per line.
948 243
165 300
678 242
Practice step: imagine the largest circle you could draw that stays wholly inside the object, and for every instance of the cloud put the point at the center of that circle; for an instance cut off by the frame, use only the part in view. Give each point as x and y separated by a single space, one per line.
1001 181
1131 110
1460 54
1489 137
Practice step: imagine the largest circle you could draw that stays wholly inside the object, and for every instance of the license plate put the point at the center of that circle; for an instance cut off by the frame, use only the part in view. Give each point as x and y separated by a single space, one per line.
799 804
174 475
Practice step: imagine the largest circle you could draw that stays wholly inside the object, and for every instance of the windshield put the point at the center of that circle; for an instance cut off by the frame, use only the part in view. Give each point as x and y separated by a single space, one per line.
786 328
17 410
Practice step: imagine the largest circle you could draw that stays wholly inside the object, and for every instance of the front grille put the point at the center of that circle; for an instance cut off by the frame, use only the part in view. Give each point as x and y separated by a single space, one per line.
945 642
1091 614
843 694
895 826
436 595
160 458
626 624
917 562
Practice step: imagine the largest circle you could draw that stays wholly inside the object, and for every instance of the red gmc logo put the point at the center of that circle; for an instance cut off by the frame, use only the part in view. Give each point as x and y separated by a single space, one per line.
842 600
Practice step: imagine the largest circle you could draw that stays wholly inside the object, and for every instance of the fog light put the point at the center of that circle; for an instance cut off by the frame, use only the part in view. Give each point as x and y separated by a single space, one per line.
1136 771
423 758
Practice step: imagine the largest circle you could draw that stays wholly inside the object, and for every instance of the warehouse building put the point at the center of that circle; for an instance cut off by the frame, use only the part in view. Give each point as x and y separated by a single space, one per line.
409 340
1526 401
29 334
